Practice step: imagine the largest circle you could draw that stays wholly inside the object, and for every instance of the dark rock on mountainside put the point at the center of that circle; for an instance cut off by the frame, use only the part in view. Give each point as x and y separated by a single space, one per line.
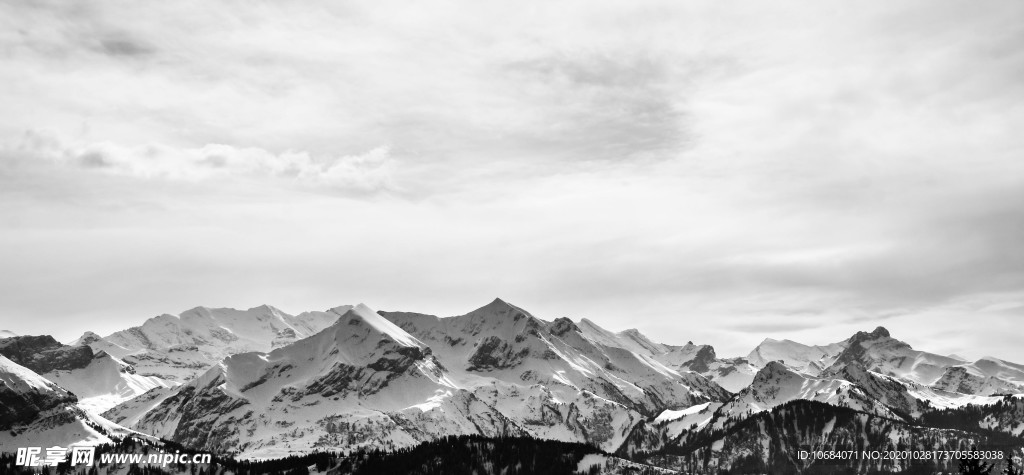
43 354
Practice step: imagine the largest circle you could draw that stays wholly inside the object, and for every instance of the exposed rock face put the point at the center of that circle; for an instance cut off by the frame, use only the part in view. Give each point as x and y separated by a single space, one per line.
495 353
43 354
24 394
702 360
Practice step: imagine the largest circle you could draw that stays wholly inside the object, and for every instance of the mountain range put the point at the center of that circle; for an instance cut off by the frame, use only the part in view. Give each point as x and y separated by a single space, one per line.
263 384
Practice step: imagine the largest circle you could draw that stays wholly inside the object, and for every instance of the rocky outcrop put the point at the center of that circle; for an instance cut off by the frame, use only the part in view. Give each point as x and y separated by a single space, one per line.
43 354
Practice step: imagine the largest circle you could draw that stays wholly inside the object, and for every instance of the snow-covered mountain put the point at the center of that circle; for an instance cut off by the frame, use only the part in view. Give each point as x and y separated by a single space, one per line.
777 384
878 352
35 411
98 380
262 383
731 374
370 381
807 359
502 341
7 334
180 348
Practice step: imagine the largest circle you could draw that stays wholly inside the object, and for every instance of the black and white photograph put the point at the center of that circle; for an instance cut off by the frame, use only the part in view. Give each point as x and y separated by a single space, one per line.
332 237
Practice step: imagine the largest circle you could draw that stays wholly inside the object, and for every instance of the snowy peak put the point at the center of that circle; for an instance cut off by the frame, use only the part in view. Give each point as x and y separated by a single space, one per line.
6 334
218 331
361 315
87 338
804 358
499 309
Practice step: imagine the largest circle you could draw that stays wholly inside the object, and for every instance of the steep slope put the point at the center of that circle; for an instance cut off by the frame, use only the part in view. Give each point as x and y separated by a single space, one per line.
25 394
631 339
35 412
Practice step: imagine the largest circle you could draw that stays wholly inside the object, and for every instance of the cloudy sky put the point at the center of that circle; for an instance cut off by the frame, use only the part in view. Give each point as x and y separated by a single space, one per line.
713 172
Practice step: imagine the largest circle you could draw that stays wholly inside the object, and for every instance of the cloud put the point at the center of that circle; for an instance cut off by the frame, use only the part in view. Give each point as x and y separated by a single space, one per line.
699 171
365 173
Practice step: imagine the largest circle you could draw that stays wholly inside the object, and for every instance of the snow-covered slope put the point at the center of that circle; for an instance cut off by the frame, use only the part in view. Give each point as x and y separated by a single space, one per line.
691 418
1012 373
7 334
36 412
631 339
105 382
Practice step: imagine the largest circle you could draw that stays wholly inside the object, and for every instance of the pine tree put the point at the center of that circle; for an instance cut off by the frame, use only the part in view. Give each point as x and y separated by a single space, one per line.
973 466
1010 469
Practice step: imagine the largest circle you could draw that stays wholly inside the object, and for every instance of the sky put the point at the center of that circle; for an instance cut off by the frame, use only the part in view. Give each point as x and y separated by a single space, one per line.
714 172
